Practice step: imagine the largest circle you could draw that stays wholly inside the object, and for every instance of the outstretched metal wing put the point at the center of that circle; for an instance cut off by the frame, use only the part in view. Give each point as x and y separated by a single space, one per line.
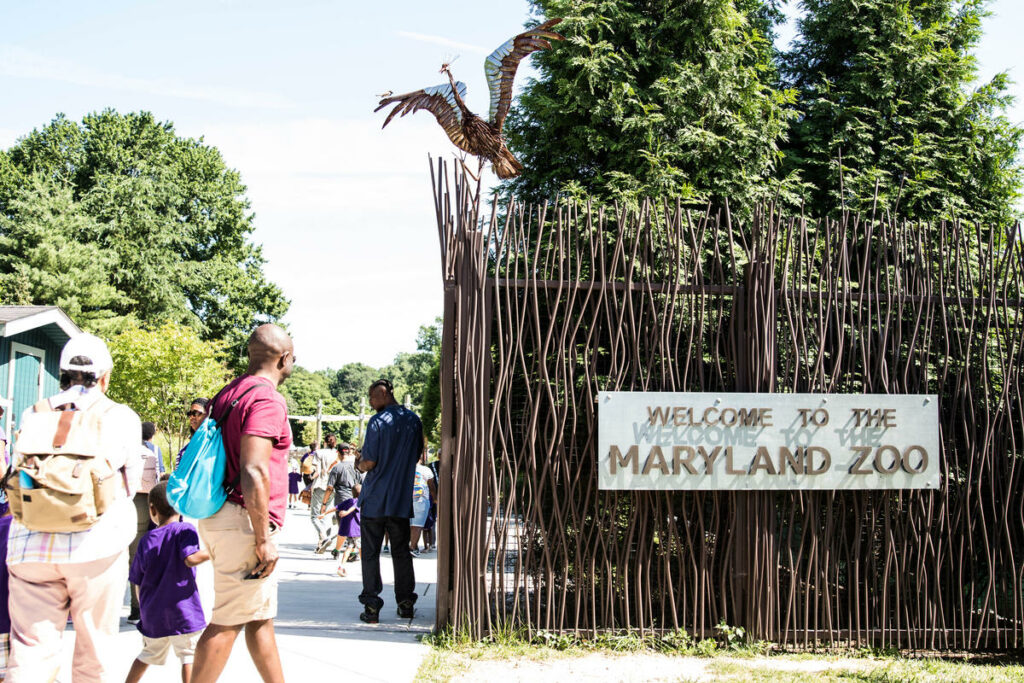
500 67
440 101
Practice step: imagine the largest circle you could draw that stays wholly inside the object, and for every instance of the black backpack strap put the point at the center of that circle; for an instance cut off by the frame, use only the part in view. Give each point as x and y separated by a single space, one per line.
235 484
231 406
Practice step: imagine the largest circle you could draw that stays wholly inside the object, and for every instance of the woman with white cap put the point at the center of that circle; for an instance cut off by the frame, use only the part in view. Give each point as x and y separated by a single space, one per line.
78 573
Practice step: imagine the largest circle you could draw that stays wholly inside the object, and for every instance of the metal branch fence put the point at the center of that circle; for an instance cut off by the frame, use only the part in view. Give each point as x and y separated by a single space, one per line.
547 305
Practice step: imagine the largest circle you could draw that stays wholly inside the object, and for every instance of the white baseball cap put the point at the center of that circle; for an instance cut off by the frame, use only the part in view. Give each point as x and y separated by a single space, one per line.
90 349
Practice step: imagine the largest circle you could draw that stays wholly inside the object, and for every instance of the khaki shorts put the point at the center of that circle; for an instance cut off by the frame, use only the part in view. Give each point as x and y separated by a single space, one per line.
229 537
154 650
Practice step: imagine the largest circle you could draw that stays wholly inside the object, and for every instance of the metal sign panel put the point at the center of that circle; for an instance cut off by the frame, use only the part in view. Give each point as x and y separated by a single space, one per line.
722 441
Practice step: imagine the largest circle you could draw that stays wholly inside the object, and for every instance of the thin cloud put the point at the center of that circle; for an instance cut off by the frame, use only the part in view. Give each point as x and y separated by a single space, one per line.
445 42
20 63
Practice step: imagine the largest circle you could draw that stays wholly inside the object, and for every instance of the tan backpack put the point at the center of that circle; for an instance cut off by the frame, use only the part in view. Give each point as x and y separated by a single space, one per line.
64 481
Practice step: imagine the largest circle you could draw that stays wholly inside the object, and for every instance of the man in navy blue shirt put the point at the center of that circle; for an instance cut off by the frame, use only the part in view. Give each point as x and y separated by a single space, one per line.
393 443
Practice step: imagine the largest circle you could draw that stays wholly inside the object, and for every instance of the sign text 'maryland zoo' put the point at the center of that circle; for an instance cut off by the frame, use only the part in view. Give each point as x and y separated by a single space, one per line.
722 441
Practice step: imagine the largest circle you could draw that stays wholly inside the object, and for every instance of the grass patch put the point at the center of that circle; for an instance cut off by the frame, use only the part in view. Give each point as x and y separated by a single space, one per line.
541 644
453 651
899 670
507 641
728 657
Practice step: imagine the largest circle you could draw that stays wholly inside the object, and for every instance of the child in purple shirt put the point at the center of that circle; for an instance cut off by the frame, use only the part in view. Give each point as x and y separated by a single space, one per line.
348 527
164 574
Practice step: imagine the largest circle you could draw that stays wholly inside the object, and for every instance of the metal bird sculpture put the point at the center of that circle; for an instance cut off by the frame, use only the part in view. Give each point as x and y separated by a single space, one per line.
465 129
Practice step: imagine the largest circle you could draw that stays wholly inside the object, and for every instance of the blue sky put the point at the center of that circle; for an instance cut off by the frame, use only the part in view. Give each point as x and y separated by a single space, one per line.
286 91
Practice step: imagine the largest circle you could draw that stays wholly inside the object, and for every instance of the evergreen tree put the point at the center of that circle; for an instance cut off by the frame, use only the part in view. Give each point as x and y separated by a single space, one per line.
49 254
169 220
885 86
653 98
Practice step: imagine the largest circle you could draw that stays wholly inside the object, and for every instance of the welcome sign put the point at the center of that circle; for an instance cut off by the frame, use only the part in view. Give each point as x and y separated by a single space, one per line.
722 441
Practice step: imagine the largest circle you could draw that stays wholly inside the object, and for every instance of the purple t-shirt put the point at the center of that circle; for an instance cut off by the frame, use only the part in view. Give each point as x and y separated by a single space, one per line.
5 616
168 596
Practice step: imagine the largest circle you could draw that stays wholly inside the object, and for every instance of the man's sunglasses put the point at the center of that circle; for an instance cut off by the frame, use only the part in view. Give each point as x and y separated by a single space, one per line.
195 413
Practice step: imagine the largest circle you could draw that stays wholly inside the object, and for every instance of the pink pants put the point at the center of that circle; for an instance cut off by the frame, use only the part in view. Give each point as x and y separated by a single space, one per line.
42 596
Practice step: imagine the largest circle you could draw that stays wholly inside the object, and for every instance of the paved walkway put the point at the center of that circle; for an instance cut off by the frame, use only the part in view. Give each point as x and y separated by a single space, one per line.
319 633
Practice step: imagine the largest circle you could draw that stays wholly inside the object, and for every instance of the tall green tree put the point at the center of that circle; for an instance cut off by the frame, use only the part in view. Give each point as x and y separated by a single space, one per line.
428 343
304 391
430 409
349 385
44 258
170 214
159 371
888 99
653 98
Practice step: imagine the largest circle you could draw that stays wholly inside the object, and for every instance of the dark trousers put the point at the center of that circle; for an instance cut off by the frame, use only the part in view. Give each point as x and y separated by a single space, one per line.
373 529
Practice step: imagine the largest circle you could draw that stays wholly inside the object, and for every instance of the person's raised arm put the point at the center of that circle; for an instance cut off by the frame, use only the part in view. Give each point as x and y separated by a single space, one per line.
254 462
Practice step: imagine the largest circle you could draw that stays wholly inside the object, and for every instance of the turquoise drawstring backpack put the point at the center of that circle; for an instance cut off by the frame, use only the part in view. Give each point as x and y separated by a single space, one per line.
196 488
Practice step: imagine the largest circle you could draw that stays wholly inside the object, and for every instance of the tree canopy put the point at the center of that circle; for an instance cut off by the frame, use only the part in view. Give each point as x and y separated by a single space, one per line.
159 372
691 99
344 390
304 391
653 98
887 97
44 258
156 226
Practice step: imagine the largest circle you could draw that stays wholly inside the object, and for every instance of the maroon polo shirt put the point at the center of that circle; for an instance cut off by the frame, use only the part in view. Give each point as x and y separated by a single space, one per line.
261 412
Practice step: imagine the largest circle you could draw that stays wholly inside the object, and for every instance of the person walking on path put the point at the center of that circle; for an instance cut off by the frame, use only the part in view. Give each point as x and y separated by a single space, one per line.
323 461
294 478
306 479
429 531
81 573
394 439
423 492
240 536
345 483
164 576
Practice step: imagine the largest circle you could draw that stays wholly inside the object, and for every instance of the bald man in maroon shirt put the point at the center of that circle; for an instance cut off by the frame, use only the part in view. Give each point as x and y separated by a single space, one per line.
240 535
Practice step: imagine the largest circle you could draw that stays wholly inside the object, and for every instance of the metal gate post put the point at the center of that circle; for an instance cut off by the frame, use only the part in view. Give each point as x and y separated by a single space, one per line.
445 547
755 344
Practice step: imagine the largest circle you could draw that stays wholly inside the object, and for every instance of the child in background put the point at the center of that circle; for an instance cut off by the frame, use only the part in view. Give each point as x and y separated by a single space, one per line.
5 617
348 526
294 479
164 574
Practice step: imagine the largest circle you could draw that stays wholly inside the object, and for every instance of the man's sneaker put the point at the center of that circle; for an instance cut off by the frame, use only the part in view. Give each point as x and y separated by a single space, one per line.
334 554
370 615
406 610
414 553
322 545
386 549
133 618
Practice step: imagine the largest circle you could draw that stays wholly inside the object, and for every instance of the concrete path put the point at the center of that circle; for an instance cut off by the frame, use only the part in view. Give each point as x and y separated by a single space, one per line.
319 633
